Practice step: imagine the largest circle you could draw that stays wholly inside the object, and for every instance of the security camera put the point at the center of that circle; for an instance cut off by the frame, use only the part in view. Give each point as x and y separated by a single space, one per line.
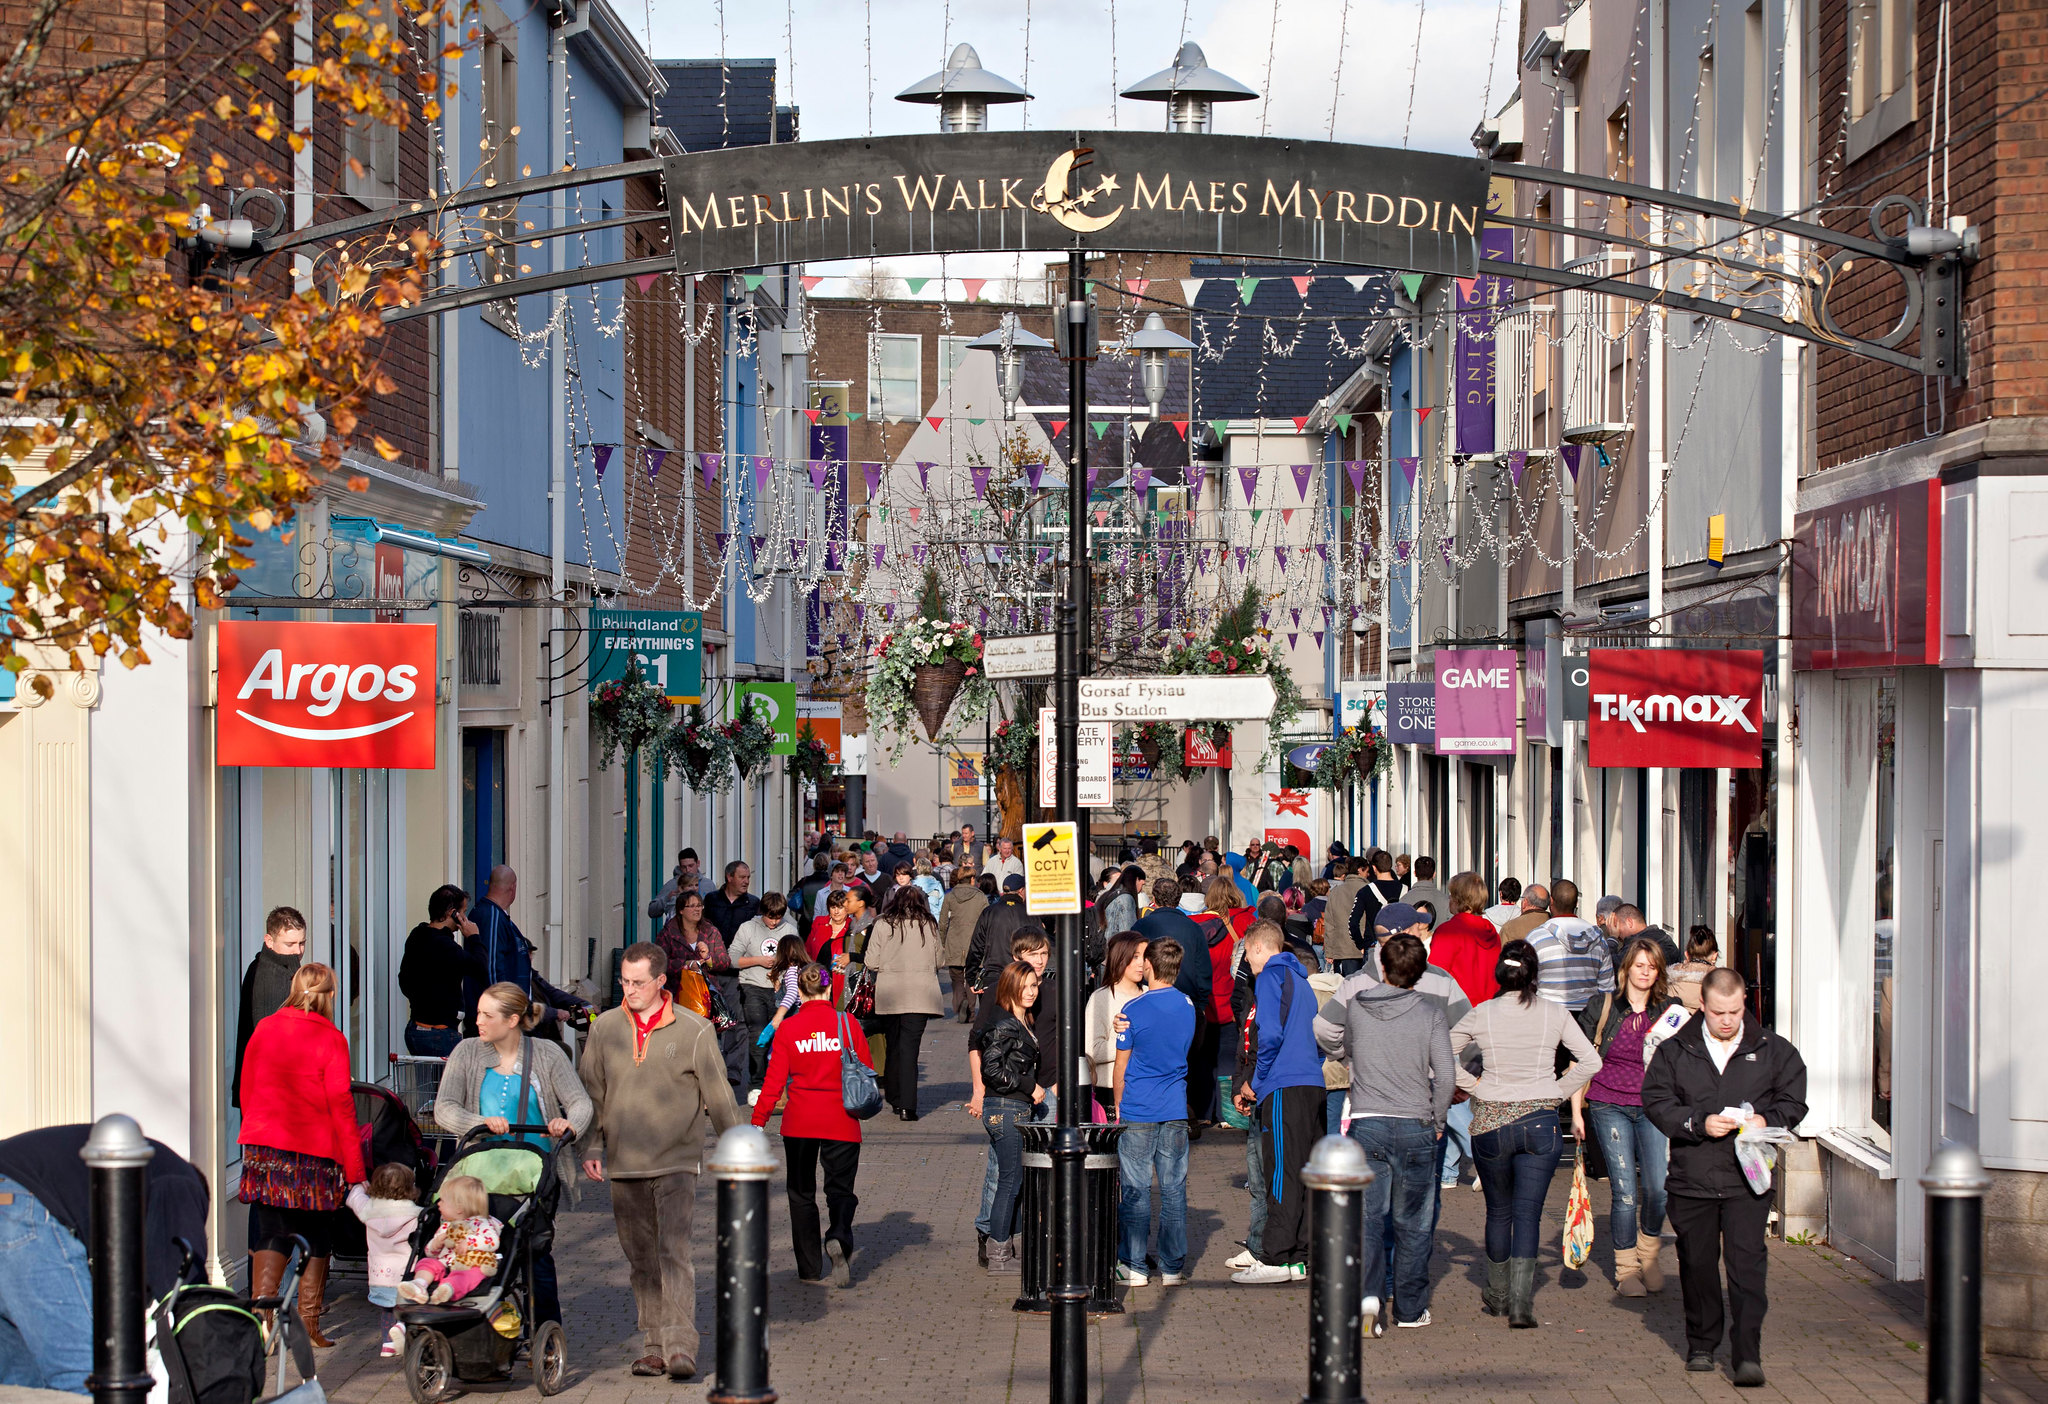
1359 624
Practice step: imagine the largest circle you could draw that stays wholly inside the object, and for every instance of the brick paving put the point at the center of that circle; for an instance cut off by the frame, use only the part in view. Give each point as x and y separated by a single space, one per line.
923 1322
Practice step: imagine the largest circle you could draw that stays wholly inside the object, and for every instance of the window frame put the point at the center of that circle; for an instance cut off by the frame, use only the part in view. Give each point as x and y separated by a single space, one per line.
877 394
1881 60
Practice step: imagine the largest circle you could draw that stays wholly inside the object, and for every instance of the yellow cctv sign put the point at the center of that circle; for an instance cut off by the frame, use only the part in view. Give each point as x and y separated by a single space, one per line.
1052 869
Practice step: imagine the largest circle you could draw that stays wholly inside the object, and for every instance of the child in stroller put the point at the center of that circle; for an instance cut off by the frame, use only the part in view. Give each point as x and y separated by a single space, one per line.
474 1332
463 1252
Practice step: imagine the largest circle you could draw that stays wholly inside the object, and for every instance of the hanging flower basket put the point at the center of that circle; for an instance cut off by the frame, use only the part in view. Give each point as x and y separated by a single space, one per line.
1239 645
1356 755
699 752
1149 749
932 690
924 672
811 763
750 740
626 715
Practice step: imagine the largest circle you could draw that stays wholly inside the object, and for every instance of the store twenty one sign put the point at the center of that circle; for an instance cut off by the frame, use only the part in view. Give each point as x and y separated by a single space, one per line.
1675 707
349 696
1411 713
965 192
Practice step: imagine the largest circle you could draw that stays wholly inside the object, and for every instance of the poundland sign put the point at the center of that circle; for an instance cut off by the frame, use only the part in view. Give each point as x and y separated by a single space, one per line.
966 192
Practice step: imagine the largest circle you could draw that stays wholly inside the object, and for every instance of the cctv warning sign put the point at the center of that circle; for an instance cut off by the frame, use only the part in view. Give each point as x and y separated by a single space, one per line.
1052 869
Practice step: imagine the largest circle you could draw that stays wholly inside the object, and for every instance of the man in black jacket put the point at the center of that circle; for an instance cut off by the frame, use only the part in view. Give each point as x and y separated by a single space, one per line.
268 981
1721 1072
988 949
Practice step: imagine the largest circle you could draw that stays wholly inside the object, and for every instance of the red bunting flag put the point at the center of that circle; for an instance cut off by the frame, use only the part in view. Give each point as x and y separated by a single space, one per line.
1136 286
1301 284
935 420
812 415
1180 425
811 281
646 280
974 287
1301 424
1059 427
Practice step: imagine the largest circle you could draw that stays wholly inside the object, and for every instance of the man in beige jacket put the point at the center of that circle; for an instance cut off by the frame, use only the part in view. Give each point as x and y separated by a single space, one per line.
655 1077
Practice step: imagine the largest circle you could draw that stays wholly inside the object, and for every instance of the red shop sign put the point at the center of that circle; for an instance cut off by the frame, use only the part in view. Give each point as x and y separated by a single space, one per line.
1199 750
1678 708
326 695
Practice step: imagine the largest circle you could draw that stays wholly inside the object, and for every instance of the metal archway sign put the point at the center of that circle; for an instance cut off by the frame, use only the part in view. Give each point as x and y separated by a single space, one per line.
1151 192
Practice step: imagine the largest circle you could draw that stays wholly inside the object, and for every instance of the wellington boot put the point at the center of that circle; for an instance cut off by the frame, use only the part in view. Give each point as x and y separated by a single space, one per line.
1628 1276
266 1271
1648 1245
312 1295
1495 1295
1522 1293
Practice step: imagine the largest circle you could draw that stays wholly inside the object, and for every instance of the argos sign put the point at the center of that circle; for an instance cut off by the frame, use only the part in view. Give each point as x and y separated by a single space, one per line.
327 695
1675 707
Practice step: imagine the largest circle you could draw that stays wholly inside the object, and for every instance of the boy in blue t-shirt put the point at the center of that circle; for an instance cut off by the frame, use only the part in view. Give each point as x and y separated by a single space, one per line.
1156 1030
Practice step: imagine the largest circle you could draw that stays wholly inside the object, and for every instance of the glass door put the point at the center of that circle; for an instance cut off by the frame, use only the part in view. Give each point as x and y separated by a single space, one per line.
360 868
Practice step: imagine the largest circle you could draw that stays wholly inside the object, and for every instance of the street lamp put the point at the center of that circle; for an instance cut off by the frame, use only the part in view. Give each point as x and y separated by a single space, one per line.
1009 341
1152 344
963 90
1191 87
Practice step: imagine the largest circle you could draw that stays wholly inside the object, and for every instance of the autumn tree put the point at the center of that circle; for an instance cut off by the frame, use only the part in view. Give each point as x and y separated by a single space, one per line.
167 400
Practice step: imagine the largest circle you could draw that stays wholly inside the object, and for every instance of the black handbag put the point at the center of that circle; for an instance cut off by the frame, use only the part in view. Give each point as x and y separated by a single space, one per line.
859 1089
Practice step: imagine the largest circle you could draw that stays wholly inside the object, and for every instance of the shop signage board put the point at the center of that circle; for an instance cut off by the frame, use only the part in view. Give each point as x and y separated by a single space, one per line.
1411 713
667 643
1200 751
1052 869
1305 757
293 693
1000 192
1362 702
1543 683
1866 581
1192 697
1019 656
774 703
964 777
827 723
1576 672
1676 707
1475 701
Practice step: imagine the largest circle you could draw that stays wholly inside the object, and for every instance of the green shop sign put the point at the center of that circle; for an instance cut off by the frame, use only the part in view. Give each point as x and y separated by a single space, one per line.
667 644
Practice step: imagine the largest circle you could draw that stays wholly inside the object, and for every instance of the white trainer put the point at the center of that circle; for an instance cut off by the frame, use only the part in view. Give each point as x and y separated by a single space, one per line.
1242 1260
1130 1277
1264 1274
1416 1324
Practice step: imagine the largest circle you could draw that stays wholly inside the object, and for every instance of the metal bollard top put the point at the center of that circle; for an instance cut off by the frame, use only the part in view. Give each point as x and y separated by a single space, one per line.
116 1143
1336 1163
1955 1173
742 1153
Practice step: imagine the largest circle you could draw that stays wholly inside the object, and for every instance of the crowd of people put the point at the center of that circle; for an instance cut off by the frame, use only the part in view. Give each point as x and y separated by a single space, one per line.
1448 1028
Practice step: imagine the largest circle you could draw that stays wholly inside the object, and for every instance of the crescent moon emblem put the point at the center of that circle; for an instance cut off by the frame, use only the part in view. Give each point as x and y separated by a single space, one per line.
1053 198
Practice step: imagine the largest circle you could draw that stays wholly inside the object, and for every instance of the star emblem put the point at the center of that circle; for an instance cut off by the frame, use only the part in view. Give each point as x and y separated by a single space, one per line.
1290 802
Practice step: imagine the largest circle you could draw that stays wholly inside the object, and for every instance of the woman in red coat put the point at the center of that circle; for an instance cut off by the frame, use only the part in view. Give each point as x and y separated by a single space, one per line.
804 1062
1468 946
301 1146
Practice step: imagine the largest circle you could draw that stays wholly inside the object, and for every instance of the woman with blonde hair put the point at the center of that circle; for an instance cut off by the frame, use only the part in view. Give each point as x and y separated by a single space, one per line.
504 1077
301 1145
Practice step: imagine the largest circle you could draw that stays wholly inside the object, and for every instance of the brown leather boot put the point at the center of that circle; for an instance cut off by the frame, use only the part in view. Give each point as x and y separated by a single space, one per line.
312 1294
266 1271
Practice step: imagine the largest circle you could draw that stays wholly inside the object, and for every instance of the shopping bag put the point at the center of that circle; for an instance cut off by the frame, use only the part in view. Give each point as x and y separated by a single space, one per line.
1578 1216
1757 1151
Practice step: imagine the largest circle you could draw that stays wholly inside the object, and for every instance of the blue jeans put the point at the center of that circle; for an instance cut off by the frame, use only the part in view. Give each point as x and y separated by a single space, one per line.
1144 1148
1255 1183
45 1298
1402 1152
1001 1116
1638 1156
989 1180
1515 1166
431 1043
1457 1126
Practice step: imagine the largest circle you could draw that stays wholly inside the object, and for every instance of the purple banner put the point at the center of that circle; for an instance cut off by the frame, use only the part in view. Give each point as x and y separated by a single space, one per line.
1477 297
1475 701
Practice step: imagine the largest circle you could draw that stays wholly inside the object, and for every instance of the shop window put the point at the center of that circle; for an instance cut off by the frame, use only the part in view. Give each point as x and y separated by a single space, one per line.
1881 71
1885 908
482 648
483 804
952 351
895 376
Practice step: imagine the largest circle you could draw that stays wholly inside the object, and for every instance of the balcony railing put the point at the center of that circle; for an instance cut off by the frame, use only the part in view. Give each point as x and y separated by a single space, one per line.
1594 324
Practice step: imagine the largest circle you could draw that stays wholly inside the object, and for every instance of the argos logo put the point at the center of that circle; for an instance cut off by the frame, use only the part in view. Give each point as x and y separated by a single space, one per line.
339 695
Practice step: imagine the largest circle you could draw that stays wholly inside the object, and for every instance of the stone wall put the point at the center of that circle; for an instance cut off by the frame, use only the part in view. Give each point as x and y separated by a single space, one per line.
2016 1264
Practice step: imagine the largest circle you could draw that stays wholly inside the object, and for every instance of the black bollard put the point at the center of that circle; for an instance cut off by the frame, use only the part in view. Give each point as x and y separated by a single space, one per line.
117 1154
742 1163
1955 1183
1336 1175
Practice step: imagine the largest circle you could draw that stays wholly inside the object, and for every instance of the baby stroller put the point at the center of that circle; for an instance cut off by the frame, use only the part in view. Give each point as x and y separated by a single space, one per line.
475 1340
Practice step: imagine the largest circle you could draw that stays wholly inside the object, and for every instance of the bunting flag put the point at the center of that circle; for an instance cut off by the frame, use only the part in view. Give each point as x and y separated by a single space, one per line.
1570 453
1093 474
977 423
984 609
860 614
1257 512
818 469
1343 422
721 538
813 415
758 543
1518 461
601 455
1248 476
1243 555
1355 470
1141 479
1401 550
1136 286
1034 473
798 548
974 287
1357 281
1323 550
811 281
763 466
1301 424
1181 425
1408 467
1102 516
916 285
753 280
1318 637
655 458
924 475
1059 427
1304 473
920 552
889 613
1385 417
1294 641
1197 479
882 514
1287 516
879 550
1280 555
1138 619
1190 289
1245 288
1411 283
873 473
1265 617
1449 542
1301 285
935 420
835 556
1045 555
1221 428
1422 414
1465 287
980 475
1100 426
1296 615
853 415
915 512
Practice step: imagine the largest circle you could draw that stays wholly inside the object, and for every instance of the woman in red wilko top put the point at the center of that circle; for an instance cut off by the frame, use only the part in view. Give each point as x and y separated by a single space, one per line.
804 1062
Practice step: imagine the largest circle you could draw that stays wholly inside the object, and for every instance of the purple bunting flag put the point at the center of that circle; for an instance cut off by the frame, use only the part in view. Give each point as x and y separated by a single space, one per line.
654 461
1355 470
1034 473
722 538
1243 556
835 554
1518 461
924 475
919 552
1303 473
1280 555
1294 640
1408 467
980 476
1318 637
1401 550
873 473
818 468
601 454
1571 453
1323 550
709 464
763 466
1141 479
880 549
1249 477
759 542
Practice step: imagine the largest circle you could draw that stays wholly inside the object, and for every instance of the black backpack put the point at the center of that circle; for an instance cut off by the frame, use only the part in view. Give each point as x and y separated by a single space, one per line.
211 1344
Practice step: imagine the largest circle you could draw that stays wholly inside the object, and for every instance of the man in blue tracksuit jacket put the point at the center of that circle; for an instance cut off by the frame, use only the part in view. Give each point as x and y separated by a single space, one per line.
1287 1086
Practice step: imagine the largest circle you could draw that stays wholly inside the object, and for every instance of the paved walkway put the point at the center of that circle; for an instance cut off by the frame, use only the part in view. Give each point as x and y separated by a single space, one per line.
923 1322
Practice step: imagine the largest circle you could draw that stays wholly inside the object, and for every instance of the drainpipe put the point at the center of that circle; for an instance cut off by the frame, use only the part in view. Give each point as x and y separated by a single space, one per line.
558 487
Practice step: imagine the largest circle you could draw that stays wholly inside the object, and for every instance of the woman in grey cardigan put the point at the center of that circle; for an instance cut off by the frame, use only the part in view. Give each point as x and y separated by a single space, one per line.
481 1086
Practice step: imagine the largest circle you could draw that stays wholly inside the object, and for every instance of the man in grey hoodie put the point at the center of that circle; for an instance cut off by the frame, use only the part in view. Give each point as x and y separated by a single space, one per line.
1397 1044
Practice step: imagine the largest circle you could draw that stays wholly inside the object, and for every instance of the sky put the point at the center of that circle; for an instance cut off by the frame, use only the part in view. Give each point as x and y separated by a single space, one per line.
1081 52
